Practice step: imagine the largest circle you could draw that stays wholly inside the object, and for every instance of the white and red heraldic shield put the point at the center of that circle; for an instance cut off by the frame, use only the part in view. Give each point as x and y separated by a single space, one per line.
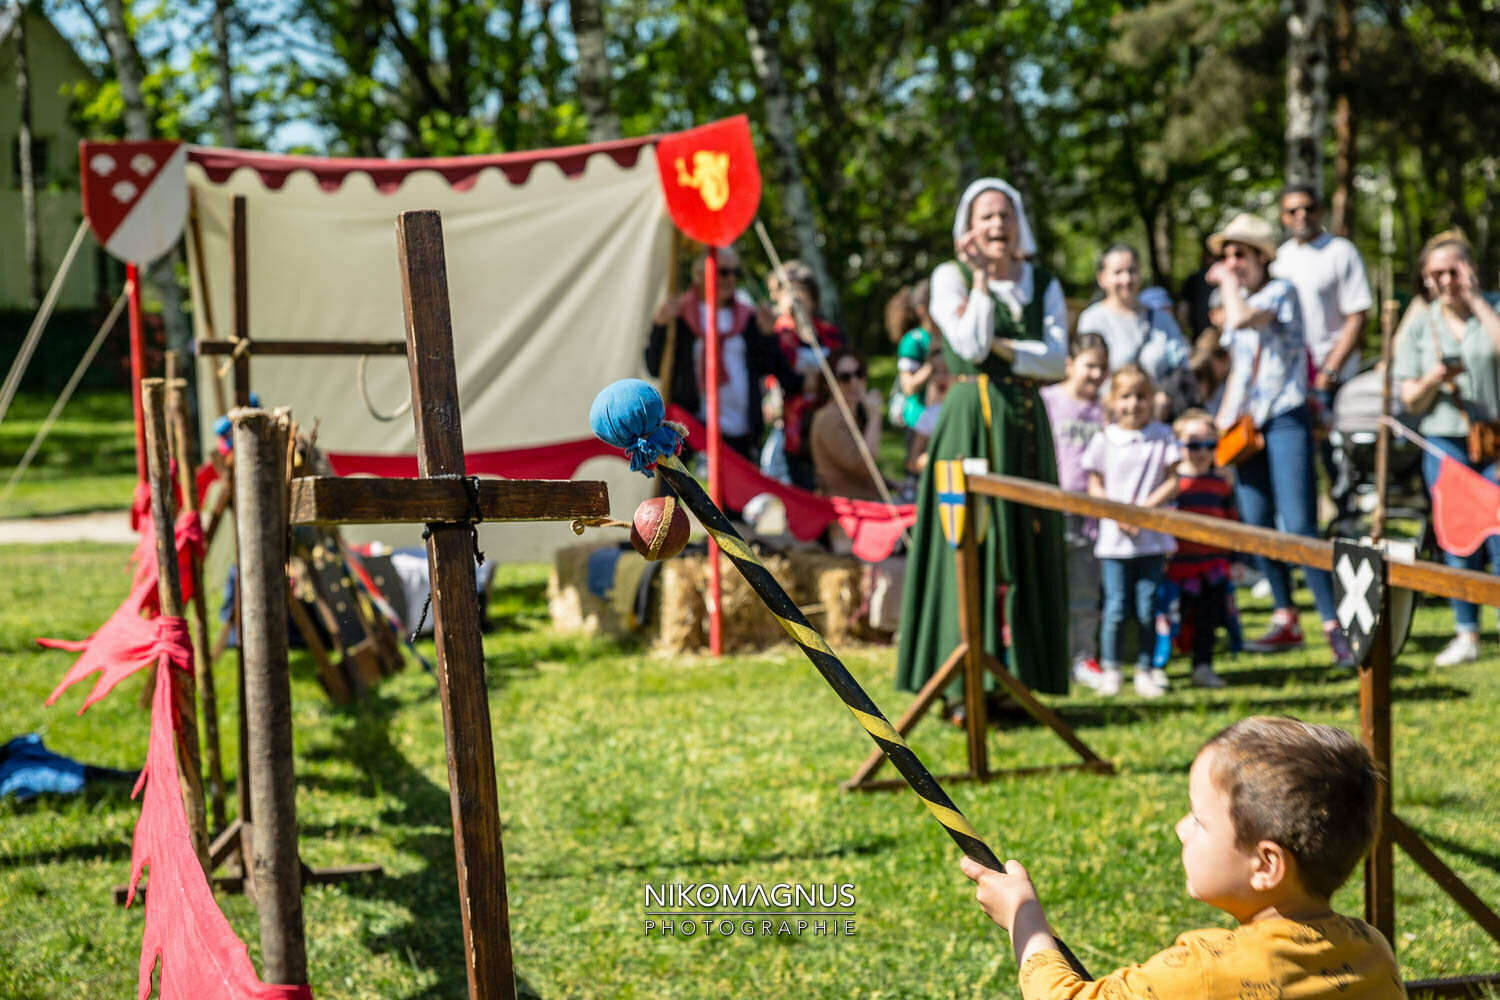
135 196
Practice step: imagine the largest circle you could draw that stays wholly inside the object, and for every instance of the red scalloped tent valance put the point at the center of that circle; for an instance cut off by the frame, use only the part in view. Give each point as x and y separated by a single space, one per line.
459 171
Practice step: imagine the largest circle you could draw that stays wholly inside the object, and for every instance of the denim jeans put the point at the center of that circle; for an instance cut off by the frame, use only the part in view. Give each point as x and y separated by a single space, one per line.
1279 485
1130 587
1465 615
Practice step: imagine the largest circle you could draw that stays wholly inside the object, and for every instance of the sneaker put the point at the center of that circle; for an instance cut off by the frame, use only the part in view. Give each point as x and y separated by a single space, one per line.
1159 678
1204 676
1280 636
1110 681
1343 656
1146 686
1088 673
1464 648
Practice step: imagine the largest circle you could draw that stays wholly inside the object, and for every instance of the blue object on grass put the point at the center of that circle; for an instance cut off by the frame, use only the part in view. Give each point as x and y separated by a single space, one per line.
628 414
601 570
29 769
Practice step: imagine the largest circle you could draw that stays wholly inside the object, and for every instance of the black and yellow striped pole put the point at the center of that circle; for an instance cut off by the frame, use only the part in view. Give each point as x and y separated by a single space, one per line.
865 711
629 415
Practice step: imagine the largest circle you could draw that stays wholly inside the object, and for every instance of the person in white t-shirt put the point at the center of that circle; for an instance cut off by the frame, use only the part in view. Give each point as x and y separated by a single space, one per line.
1333 292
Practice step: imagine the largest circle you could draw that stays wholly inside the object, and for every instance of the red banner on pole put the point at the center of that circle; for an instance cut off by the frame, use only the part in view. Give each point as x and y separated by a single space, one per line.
711 180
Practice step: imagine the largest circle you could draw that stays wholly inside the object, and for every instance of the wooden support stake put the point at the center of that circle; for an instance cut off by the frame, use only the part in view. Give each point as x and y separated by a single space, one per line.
202 657
455 612
239 224
262 533
971 631
169 588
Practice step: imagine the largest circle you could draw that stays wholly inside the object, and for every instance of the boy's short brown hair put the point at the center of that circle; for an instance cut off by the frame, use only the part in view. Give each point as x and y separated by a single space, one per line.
1310 789
1194 415
1132 374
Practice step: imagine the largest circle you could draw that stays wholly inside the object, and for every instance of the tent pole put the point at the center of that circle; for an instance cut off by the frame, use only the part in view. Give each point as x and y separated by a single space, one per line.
137 365
715 444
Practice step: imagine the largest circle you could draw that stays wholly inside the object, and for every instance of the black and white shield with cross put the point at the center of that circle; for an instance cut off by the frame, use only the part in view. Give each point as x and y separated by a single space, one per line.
1359 593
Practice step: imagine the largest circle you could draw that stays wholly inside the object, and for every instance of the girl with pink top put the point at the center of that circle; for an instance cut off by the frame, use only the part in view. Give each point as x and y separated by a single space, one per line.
1133 460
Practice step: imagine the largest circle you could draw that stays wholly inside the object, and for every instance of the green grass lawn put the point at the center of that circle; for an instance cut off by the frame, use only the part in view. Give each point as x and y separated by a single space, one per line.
619 769
86 463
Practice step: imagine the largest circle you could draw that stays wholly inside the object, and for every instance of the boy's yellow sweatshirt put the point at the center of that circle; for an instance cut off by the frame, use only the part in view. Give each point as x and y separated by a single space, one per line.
1274 959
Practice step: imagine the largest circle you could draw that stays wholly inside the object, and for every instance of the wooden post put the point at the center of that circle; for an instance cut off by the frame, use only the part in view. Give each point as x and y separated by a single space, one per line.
239 225
971 633
1375 731
260 488
169 588
455 612
715 441
202 658
1383 434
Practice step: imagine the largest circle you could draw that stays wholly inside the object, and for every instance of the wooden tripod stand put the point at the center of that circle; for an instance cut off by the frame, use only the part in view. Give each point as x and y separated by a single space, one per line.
972 660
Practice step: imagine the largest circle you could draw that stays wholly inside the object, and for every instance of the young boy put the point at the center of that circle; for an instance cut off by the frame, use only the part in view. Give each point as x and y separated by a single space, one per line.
1280 812
1201 572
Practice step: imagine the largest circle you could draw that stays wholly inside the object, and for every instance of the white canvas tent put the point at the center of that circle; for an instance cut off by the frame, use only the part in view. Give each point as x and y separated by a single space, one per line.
555 260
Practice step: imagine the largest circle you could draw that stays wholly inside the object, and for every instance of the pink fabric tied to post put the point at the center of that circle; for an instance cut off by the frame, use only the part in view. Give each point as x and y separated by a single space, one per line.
130 639
201 957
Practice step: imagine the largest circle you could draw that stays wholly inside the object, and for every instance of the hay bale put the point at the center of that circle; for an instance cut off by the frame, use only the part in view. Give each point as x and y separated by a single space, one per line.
825 586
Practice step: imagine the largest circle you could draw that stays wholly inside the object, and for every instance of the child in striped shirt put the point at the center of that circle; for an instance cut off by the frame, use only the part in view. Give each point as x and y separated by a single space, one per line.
1201 572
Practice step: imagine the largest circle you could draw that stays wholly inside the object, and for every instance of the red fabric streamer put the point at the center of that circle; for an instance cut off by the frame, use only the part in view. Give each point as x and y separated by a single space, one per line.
201 957
140 506
128 640
205 477
874 528
1465 508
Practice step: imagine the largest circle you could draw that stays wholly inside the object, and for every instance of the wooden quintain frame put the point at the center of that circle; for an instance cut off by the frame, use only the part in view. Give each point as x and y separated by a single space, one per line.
1374 677
440 498
971 659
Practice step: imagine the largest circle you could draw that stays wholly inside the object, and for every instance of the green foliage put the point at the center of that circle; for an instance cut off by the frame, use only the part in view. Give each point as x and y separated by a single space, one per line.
617 768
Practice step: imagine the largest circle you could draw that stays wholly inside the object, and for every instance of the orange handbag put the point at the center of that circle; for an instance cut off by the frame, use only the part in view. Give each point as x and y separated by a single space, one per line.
1243 440
1240 443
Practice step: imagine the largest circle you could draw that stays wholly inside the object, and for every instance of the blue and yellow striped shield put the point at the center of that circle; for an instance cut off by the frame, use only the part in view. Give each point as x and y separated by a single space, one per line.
953 502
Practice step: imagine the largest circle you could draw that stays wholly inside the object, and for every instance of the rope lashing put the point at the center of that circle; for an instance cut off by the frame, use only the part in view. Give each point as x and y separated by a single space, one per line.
580 523
241 349
618 416
474 519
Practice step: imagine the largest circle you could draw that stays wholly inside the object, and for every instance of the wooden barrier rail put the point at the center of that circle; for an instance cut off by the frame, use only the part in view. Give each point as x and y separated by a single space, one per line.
1315 553
1374 680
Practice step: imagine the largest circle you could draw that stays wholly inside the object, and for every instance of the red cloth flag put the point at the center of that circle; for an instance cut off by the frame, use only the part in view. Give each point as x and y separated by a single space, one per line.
1465 508
128 641
201 958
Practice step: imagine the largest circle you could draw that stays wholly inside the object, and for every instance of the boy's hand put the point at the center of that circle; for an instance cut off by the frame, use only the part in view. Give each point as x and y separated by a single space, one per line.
1001 894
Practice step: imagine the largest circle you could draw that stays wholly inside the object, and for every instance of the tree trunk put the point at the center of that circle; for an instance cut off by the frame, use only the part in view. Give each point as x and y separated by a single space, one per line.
163 274
33 237
593 69
781 126
1344 157
228 126
1306 91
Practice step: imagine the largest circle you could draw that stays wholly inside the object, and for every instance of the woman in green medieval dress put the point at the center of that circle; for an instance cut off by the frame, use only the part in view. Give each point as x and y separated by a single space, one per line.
1005 328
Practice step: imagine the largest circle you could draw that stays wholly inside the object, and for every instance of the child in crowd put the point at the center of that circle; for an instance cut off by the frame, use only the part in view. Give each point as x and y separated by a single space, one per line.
914 359
1280 812
1210 367
1076 417
1201 572
1131 461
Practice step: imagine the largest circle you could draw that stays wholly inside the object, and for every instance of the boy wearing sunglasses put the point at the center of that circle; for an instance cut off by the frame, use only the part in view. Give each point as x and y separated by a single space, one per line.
1201 572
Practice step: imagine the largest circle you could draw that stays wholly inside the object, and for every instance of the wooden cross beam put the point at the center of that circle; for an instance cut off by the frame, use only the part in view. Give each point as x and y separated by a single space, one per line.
440 498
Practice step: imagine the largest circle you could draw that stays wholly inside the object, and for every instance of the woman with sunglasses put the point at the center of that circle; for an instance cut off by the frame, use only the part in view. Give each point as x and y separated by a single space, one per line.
1004 329
1447 365
838 467
1276 487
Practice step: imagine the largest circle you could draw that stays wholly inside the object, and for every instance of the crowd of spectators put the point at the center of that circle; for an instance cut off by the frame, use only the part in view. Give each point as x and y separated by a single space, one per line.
1261 339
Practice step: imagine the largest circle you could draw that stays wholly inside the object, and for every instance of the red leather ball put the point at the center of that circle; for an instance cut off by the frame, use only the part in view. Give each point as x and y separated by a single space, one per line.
660 528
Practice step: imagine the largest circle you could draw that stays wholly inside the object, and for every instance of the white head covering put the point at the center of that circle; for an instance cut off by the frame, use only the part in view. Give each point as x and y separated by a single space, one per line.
966 205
